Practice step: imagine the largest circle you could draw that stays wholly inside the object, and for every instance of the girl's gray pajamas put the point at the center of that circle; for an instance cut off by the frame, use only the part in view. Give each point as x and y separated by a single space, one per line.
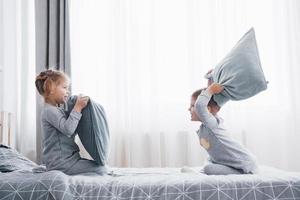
60 152
226 156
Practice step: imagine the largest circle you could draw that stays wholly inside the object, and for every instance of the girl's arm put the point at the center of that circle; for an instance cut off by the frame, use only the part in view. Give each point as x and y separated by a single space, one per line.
68 125
57 119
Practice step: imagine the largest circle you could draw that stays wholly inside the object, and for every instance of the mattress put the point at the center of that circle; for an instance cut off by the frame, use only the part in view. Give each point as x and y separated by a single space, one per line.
150 183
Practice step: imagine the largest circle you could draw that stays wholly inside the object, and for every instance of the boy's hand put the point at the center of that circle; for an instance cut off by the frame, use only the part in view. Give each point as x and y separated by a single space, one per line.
215 88
81 102
209 82
209 71
209 77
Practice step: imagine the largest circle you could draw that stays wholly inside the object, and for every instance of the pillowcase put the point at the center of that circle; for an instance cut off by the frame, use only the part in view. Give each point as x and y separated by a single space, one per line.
92 130
11 160
240 71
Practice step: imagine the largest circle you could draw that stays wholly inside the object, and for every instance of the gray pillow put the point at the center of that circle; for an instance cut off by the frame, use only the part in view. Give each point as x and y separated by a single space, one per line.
11 160
240 71
92 130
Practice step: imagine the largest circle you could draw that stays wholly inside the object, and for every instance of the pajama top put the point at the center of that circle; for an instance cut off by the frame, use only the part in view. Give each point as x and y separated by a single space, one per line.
214 138
60 151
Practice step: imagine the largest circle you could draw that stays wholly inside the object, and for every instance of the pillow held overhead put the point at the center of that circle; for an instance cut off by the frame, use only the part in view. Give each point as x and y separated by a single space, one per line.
240 71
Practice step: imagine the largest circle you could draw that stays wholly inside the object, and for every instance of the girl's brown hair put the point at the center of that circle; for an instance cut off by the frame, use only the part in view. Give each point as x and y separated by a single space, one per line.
47 79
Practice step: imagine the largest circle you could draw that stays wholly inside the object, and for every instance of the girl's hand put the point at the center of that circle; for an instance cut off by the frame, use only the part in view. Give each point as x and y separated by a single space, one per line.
81 102
215 88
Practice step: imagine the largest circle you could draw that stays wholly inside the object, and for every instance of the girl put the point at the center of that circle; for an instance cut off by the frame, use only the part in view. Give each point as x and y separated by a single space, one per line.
60 151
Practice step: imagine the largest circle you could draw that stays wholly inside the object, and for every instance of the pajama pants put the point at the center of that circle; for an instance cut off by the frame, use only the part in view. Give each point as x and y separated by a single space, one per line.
86 166
217 169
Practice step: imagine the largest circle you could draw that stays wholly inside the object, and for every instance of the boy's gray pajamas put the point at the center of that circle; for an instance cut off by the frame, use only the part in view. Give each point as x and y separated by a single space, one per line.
60 152
224 153
218 169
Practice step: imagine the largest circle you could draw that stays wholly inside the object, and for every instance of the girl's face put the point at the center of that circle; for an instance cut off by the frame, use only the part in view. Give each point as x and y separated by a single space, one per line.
194 116
61 92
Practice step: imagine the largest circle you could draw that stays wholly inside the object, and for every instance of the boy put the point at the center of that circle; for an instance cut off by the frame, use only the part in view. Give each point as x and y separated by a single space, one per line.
226 156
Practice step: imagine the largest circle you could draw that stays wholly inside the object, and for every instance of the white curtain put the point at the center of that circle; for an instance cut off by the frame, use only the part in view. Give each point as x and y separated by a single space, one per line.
142 59
18 71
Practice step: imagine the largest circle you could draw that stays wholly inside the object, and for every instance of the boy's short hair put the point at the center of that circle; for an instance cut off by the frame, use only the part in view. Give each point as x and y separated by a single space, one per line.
211 102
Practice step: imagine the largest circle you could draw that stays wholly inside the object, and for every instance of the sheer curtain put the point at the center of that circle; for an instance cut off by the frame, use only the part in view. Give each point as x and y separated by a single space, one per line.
18 70
142 59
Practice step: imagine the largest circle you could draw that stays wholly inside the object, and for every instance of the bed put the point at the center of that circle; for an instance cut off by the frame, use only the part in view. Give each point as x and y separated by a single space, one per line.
149 183
21 178
24 179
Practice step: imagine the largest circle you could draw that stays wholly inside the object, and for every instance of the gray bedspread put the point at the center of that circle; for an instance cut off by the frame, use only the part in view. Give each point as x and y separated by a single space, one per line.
150 183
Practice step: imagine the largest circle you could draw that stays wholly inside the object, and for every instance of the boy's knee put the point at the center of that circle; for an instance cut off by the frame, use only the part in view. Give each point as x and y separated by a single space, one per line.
209 170
216 169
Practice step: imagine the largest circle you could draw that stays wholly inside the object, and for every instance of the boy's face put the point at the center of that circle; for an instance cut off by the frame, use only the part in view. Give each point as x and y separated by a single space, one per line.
194 116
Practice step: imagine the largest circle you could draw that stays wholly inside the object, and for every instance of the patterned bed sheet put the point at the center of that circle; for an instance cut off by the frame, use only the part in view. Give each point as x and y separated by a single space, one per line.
150 183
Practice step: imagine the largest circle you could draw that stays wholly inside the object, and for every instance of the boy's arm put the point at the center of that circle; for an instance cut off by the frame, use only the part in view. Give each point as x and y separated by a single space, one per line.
201 104
67 126
208 119
209 77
